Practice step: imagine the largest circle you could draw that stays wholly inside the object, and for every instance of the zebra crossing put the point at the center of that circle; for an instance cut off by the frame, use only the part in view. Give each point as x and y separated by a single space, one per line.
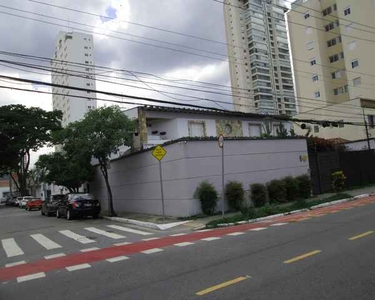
53 240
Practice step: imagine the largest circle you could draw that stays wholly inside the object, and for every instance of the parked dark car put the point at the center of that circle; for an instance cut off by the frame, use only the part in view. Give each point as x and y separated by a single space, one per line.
11 201
78 205
49 207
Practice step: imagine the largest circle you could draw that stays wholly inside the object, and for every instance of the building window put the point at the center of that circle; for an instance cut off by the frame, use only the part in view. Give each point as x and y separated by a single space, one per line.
357 81
316 128
86 54
371 121
333 58
315 78
310 45
355 63
317 94
313 61
85 47
88 84
336 74
331 43
352 45
347 11
255 130
197 129
307 15
341 55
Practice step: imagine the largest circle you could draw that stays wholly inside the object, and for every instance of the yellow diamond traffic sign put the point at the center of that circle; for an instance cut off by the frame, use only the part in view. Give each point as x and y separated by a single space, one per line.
159 152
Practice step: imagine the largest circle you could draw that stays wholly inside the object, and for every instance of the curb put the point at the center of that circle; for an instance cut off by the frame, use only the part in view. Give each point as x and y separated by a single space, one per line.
144 224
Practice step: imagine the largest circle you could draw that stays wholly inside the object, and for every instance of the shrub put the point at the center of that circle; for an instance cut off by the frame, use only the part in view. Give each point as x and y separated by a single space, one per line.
338 181
235 194
259 194
304 186
208 197
291 186
277 191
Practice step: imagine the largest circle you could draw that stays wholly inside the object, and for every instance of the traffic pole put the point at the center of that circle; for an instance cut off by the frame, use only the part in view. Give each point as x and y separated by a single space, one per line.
161 189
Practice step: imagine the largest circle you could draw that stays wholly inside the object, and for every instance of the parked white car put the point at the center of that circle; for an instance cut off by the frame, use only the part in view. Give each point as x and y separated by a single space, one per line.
18 201
24 200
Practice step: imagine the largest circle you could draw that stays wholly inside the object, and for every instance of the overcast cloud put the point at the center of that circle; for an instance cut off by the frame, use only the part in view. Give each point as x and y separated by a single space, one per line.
203 18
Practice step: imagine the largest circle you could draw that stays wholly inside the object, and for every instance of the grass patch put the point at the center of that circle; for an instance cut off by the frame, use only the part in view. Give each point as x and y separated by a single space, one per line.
268 210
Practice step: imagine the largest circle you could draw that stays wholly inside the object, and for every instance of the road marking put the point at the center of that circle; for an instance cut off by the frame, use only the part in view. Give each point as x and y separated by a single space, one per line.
111 235
204 230
178 234
150 239
79 238
209 239
302 256
278 224
11 248
122 244
221 285
78 267
150 251
236 233
116 259
54 255
258 229
126 229
360 235
89 249
183 244
31 277
45 242
303 219
333 211
22 262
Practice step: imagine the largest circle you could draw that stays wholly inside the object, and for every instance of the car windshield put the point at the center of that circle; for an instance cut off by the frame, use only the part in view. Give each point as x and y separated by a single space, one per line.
82 197
57 197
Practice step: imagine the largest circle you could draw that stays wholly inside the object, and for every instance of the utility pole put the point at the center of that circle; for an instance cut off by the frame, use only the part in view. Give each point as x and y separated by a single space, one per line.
367 134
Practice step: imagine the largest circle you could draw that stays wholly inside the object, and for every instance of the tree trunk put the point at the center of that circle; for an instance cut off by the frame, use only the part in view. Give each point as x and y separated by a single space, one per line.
15 182
103 168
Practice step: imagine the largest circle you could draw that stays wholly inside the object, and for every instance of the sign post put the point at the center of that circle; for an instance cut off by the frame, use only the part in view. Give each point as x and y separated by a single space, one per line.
221 145
159 152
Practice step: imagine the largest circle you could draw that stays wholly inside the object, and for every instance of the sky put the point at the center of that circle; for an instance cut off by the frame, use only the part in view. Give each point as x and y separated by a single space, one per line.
115 25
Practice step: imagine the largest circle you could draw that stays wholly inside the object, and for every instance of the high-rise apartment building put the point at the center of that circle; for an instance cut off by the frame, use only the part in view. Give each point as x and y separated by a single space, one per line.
258 53
74 55
333 49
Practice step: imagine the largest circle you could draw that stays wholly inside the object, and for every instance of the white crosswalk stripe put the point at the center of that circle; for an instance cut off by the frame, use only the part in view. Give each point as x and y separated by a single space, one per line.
45 242
30 277
111 235
131 230
15 264
79 238
11 248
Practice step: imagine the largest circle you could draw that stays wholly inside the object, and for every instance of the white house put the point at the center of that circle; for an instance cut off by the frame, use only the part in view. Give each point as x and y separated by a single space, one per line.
157 125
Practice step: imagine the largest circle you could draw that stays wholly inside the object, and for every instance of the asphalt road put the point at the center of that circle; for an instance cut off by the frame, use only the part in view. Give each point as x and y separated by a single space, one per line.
328 257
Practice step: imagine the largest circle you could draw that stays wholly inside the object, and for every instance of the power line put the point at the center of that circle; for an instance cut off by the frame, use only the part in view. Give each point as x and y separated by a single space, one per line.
199 99
132 23
280 118
164 92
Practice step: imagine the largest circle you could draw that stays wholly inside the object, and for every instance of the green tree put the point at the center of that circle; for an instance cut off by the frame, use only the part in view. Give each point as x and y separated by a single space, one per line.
23 130
68 171
101 133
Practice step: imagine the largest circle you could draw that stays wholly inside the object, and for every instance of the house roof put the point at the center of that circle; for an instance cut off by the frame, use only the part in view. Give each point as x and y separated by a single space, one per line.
212 112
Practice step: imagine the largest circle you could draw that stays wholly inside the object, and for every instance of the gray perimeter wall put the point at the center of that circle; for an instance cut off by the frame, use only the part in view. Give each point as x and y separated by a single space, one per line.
135 179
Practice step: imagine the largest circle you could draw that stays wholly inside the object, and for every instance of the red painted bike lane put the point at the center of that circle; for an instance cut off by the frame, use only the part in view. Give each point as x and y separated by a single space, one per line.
115 251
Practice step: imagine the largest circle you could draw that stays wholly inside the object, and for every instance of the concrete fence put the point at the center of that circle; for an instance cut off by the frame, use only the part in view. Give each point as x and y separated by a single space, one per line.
135 178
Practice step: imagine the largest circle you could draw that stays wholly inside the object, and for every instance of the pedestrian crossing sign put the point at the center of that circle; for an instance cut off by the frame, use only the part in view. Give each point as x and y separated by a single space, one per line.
159 152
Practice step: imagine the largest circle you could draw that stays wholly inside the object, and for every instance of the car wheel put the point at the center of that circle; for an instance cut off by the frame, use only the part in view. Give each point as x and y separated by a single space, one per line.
28 208
57 214
68 215
42 212
95 216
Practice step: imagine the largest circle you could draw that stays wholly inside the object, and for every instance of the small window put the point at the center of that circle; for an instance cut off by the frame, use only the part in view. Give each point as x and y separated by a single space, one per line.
88 84
86 54
86 47
357 81
334 7
316 128
371 121
341 55
347 11
335 92
313 61
315 78
317 94
310 45
355 63
307 15
339 40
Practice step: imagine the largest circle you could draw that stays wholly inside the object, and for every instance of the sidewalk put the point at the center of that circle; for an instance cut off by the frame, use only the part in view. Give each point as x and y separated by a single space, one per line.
157 222
201 223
